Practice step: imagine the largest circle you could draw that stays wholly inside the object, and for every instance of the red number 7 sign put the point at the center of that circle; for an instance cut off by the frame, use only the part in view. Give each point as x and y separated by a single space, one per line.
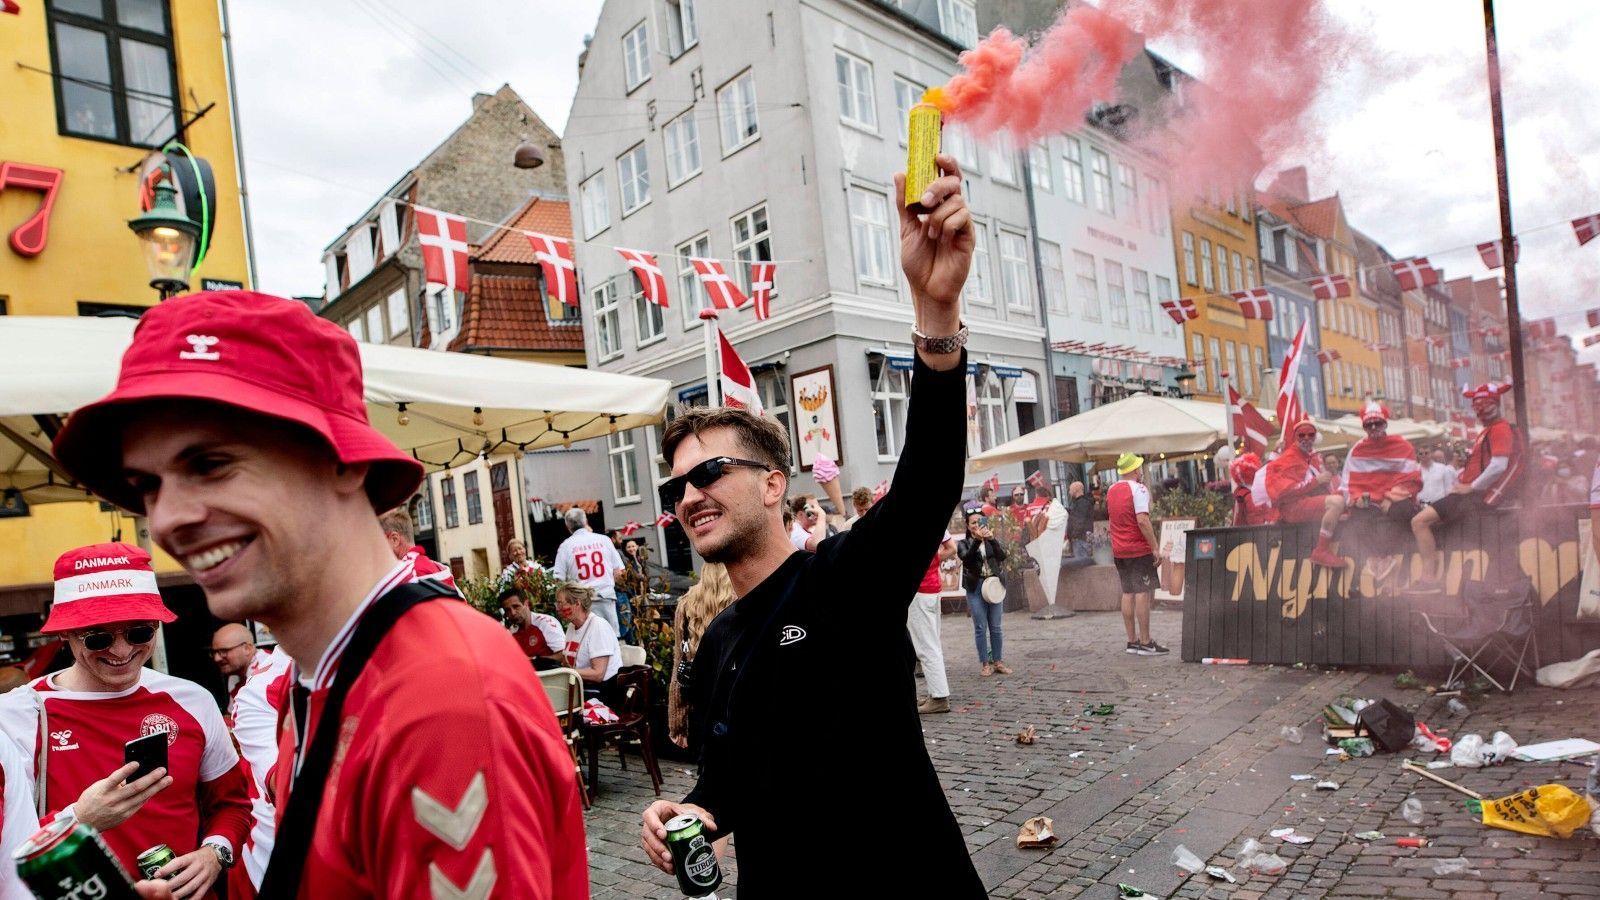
29 238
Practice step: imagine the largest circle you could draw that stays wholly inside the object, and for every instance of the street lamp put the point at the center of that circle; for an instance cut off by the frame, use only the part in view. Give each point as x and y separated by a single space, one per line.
1185 380
168 238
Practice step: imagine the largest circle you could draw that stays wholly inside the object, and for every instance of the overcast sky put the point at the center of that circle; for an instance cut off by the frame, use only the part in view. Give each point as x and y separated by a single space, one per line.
338 100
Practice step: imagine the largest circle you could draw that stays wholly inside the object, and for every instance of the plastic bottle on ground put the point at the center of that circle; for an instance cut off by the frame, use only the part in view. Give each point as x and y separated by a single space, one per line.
1411 810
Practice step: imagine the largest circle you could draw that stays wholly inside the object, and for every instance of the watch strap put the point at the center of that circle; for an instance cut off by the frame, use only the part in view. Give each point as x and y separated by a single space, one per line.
946 344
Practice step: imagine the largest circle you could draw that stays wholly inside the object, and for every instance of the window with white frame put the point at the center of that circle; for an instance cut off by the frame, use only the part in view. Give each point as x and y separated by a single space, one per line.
869 232
906 95
772 386
1055 276
1255 378
890 393
375 330
1073 178
979 289
1250 275
1100 169
1222 270
607 319
443 308
682 139
736 109
447 499
1002 161
993 429
636 56
1142 318
752 242
649 323
690 287
357 328
1039 166
857 105
1116 293
958 143
1216 360
683 31
1128 190
1164 292
469 487
1189 272
596 206
1206 280
1088 285
1155 200
1238 271
399 314
958 19
1014 270
633 171
624 475
424 510
1198 352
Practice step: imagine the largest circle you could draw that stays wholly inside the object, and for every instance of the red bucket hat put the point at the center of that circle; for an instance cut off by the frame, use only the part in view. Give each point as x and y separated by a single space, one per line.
104 583
1374 411
1303 423
253 351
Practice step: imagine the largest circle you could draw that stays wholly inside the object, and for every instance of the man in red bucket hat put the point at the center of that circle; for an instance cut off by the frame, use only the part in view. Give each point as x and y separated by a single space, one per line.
409 756
73 725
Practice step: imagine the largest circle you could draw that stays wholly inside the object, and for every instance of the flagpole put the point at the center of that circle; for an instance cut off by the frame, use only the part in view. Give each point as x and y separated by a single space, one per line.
1508 251
1227 404
713 386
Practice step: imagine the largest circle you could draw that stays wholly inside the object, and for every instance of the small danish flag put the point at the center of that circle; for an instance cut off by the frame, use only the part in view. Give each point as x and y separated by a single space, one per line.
1414 273
1461 362
1181 310
993 483
1541 330
879 491
1593 316
720 288
1434 340
761 281
560 270
1591 340
665 519
1037 478
1329 287
1255 303
1379 347
648 271
630 528
1586 228
1493 258
1327 356
444 248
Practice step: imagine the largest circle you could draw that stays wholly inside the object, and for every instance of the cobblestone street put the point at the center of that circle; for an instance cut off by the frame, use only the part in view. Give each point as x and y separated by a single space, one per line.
1192 755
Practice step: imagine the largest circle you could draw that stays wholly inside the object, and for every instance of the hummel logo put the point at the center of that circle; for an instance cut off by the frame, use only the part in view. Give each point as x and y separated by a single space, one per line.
63 740
791 634
202 344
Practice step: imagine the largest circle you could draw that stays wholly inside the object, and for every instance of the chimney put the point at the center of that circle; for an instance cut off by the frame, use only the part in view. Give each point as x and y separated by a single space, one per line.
479 99
1291 185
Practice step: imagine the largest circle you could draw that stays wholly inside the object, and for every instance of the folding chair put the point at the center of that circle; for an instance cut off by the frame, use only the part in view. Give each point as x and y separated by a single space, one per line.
632 706
1496 627
564 687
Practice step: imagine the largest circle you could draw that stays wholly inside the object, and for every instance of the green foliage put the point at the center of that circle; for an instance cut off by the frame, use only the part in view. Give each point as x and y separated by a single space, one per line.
1209 509
1012 538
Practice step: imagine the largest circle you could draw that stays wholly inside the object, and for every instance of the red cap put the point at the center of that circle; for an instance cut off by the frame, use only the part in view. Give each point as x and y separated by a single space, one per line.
1489 390
1304 423
104 583
253 351
1374 411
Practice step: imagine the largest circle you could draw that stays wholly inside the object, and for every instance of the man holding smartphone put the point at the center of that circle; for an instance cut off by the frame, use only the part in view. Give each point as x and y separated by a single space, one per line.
75 726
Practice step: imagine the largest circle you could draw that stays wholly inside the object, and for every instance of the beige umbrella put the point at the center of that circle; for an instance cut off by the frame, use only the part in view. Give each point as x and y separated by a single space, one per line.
1143 424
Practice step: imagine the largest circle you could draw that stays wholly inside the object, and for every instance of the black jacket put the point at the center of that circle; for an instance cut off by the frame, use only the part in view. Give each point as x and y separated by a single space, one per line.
781 758
972 558
1080 516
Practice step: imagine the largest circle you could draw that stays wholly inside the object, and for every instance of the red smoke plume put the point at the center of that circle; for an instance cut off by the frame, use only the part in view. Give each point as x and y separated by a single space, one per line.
1263 63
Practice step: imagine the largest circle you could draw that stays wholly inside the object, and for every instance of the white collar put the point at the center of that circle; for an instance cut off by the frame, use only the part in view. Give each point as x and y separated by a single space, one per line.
323 671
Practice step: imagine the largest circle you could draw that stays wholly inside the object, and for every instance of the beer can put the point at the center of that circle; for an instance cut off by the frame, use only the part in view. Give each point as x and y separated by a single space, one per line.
922 145
67 860
151 861
693 860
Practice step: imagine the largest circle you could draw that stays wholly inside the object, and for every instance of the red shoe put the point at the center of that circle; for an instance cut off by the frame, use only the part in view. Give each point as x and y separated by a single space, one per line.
1322 556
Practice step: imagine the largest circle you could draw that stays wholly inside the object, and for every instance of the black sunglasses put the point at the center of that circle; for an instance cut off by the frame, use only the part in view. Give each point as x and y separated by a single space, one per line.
98 641
702 476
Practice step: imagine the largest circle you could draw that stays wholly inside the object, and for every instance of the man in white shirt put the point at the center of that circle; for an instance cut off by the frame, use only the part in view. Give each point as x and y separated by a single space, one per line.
1438 476
591 560
810 525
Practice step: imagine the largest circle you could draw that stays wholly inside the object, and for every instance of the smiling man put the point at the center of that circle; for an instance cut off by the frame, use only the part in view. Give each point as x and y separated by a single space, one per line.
809 628
73 725
239 428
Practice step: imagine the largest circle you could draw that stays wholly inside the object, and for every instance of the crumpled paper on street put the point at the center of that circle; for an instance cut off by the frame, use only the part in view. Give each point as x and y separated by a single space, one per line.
1038 831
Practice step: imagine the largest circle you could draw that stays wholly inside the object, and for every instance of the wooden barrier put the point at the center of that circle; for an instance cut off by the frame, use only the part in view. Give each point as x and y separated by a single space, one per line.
1252 593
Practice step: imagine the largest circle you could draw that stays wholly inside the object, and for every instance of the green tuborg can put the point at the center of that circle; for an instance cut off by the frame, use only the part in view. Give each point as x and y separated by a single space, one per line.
67 860
151 861
692 857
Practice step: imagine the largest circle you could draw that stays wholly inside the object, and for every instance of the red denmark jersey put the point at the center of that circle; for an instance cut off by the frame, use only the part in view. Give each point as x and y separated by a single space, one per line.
86 734
930 579
1499 439
423 568
1124 501
1376 467
255 729
542 636
1292 475
451 777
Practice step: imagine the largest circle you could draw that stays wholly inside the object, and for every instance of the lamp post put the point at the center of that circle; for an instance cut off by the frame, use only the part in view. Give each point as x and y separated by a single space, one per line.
168 239
1185 380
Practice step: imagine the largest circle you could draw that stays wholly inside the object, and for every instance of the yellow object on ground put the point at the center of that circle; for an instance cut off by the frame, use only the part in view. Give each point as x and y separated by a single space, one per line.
1549 810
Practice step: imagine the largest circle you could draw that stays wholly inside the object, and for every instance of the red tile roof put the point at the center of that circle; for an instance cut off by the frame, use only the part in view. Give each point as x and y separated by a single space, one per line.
1319 217
542 214
507 312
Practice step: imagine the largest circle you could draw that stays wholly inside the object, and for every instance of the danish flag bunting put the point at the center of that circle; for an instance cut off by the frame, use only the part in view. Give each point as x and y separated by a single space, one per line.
1591 340
560 271
1593 316
665 519
993 483
1254 304
720 288
1461 362
879 491
1540 330
1289 411
1586 228
1414 273
738 385
1248 423
1434 340
1379 347
1327 356
630 528
648 271
1329 287
1493 258
761 279
1181 310
1037 478
444 247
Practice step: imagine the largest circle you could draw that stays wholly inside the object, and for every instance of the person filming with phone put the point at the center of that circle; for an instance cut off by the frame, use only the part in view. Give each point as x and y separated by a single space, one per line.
141 756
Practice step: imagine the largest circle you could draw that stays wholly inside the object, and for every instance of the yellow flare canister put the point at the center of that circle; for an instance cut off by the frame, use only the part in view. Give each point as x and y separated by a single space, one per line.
922 144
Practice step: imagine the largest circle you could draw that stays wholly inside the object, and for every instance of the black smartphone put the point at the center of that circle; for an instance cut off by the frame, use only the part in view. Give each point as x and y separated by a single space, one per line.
150 752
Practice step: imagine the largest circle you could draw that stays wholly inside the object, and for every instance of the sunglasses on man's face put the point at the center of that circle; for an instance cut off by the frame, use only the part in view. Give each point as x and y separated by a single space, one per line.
99 641
702 476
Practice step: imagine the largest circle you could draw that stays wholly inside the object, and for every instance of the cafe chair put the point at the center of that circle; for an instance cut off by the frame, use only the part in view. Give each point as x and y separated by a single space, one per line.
1494 630
564 687
631 691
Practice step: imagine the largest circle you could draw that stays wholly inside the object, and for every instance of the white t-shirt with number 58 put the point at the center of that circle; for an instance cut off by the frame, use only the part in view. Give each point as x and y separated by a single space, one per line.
591 560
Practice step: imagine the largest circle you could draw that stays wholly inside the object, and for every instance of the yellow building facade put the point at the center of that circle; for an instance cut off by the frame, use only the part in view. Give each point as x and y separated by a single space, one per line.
1215 242
1346 324
91 88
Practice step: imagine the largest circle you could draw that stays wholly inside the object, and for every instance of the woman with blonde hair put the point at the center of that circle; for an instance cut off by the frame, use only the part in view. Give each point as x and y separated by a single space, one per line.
702 603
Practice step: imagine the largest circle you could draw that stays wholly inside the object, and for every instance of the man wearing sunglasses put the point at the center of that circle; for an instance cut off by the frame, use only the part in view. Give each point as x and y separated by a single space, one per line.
810 628
1300 489
1382 477
73 726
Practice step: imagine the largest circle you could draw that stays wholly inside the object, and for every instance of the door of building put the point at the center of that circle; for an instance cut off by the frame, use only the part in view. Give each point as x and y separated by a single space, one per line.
500 491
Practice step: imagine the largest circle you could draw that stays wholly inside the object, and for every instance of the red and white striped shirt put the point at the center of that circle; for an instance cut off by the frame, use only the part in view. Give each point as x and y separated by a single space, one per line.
1376 467
255 729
